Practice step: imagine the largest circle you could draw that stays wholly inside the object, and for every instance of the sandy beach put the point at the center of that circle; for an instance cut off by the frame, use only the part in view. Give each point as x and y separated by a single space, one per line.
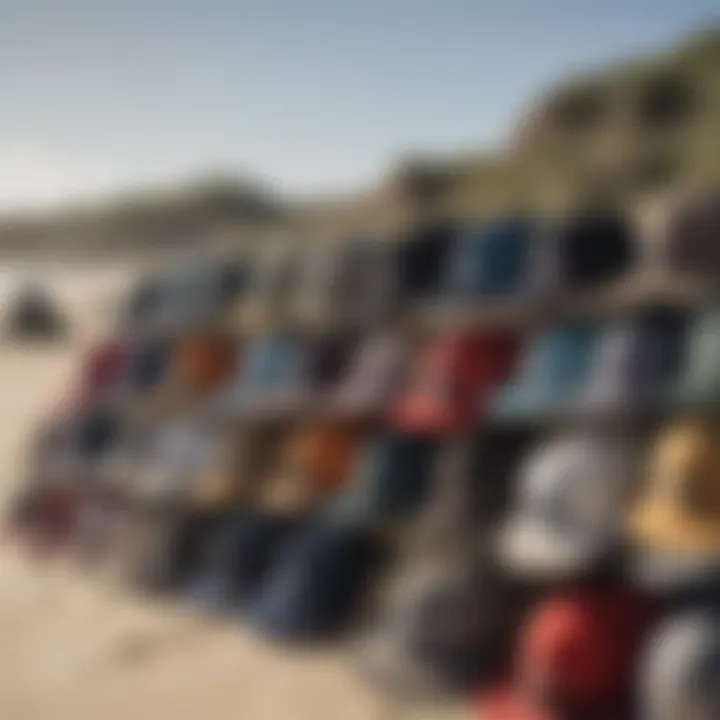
74 648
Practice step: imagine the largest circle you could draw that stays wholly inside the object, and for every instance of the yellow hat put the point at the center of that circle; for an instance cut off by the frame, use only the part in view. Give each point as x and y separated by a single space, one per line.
679 510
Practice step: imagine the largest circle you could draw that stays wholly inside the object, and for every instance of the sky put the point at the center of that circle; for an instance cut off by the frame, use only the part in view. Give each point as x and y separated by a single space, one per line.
311 96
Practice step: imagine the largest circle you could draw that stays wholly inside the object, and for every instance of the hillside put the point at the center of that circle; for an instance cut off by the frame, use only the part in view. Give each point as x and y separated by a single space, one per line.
621 133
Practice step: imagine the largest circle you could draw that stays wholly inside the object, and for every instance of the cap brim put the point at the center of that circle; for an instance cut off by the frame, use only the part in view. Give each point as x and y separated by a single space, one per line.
503 704
531 549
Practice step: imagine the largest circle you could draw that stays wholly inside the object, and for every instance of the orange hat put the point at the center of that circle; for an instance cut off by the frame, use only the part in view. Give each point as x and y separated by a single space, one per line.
204 360
323 453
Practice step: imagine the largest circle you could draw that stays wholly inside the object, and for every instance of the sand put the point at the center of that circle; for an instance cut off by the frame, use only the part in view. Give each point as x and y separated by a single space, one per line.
74 648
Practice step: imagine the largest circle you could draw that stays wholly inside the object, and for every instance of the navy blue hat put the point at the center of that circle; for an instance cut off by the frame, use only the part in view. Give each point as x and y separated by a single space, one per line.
317 583
492 259
239 554
148 364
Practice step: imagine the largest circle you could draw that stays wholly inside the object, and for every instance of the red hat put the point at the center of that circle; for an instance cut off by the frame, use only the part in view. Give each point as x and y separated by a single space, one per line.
450 380
102 366
577 651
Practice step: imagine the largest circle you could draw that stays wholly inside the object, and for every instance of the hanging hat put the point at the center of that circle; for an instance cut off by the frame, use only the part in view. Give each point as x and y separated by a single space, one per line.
269 381
637 359
594 248
422 258
698 387
371 380
390 479
575 658
202 361
451 380
568 514
492 259
555 364
447 626
317 582
678 672
675 523
690 235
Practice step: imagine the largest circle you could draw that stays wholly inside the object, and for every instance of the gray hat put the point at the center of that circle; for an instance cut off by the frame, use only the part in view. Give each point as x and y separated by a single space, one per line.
680 671
568 514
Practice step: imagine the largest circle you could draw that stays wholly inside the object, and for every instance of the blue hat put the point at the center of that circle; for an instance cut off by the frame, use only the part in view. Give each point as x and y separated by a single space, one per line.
317 583
239 554
555 365
390 480
492 259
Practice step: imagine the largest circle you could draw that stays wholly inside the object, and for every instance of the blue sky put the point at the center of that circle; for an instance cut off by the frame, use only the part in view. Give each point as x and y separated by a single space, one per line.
312 95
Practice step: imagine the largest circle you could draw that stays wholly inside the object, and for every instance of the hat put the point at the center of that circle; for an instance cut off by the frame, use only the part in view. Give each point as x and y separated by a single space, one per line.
637 359
452 377
446 627
595 247
691 235
555 364
202 361
699 383
271 281
491 259
568 514
364 284
147 365
675 523
269 380
576 652
390 478
678 672
314 462
372 378
237 556
167 470
317 582
422 259
102 367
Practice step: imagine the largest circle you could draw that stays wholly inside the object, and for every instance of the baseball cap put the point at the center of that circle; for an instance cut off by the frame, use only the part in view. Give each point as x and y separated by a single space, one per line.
691 232
390 478
637 359
447 625
314 462
202 361
451 380
422 259
567 519
678 668
491 259
102 367
317 582
675 522
555 364
699 383
595 247
268 378
576 652
372 378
